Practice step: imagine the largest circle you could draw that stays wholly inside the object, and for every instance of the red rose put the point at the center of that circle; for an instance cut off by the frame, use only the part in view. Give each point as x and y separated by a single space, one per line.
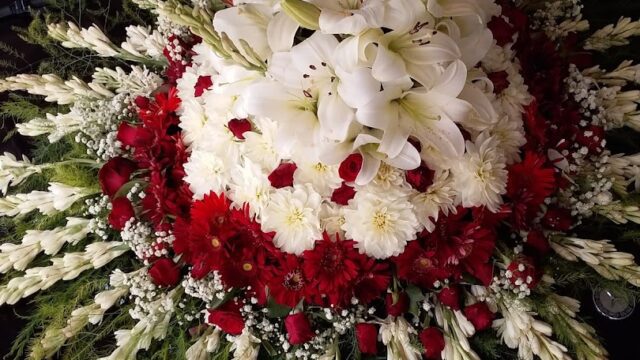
298 328
524 271
367 335
228 318
433 342
350 167
121 212
558 219
400 306
282 176
538 242
479 315
450 296
420 178
133 136
115 173
343 194
238 127
203 83
164 272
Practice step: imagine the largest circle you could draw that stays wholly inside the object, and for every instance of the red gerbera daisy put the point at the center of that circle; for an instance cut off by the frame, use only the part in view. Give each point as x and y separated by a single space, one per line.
287 284
373 281
419 265
333 265
528 185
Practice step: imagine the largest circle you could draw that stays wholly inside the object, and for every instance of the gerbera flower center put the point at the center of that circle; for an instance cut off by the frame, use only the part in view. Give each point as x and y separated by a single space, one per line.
247 267
422 264
215 242
293 280
331 259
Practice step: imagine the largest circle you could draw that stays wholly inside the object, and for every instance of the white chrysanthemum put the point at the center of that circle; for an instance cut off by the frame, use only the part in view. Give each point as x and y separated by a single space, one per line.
250 185
186 86
293 215
380 224
389 177
324 178
206 172
259 147
192 121
516 96
480 175
510 135
439 197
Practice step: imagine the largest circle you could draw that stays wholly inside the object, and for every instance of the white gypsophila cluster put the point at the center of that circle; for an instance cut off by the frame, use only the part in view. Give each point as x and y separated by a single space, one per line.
208 289
147 329
97 208
150 302
59 198
14 171
457 330
54 338
560 18
519 329
100 121
145 243
321 100
65 268
607 106
139 80
613 35
601 255
55 89
19 256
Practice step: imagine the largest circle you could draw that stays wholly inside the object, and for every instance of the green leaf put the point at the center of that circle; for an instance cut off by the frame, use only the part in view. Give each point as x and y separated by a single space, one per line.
277 310
415 297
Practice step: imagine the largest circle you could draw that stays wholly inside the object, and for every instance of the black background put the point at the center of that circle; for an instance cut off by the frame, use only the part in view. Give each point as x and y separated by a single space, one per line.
621 338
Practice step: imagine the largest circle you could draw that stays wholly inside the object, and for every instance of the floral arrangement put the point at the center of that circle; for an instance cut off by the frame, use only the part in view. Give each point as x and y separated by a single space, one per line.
325 180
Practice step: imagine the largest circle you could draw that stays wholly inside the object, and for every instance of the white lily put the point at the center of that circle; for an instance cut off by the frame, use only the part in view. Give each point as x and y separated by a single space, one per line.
429 115
303 98
416 48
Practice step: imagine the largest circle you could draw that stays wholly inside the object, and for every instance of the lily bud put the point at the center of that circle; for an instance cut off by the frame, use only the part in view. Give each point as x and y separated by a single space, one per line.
304 13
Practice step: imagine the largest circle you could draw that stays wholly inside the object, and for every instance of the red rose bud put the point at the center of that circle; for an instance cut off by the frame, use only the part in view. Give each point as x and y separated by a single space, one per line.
524 272
203 83
558 219
420 178
165 272
450 296
238 127
350 167
433 342
142 102
400 306
479 315
115 173
343 194
228 318
538 242
133 136
121 212
282 176
298 328
367 336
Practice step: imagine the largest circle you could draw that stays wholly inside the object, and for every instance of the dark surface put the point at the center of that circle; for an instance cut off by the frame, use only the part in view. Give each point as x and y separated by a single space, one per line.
620 337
